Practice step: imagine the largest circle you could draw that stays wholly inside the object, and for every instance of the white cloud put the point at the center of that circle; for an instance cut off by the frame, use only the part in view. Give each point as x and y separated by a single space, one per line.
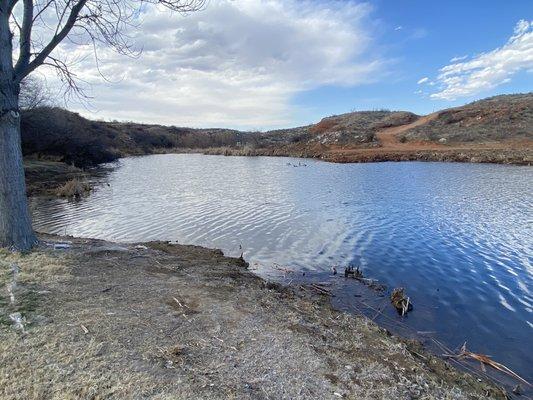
488 70
459 58
238 63
423 80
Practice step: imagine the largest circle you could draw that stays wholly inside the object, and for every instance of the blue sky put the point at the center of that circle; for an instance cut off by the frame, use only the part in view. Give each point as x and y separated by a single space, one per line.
262 64
421 37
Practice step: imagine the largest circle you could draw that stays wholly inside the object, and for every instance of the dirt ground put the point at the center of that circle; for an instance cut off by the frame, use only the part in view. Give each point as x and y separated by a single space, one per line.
158 321
389 147
513 152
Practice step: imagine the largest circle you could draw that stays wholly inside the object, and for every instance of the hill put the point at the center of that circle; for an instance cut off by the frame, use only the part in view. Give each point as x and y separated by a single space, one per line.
500 118
496 129
57 134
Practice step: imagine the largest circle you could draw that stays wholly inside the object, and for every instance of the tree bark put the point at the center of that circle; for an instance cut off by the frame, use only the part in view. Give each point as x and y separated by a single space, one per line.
16 230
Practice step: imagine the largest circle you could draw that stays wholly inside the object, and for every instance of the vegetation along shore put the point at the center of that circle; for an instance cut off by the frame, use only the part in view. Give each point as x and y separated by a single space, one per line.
60 145
93 319
496 130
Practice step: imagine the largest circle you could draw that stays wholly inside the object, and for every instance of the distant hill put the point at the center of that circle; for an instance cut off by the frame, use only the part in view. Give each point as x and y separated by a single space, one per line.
505 117
499 124
61 135
496 118
355 128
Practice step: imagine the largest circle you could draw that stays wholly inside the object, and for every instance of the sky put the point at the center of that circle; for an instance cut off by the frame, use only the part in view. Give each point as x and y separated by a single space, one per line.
263 64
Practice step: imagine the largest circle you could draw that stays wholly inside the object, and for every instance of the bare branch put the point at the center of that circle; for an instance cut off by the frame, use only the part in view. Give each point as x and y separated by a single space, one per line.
62 34
85 22
34 93
25 36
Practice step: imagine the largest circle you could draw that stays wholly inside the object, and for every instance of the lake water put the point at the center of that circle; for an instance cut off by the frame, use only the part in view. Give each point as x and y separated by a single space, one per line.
458 237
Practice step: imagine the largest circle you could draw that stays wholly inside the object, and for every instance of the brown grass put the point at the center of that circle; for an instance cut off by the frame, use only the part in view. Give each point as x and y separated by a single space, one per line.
74 188
180 322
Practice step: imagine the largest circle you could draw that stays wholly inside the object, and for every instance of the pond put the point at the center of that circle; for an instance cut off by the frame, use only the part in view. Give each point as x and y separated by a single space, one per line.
457 237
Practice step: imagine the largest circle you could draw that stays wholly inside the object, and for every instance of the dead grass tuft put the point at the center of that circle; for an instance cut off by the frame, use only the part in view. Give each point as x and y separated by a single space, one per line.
74 188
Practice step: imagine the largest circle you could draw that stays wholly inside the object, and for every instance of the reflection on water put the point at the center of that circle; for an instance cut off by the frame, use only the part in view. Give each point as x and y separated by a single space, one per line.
457 236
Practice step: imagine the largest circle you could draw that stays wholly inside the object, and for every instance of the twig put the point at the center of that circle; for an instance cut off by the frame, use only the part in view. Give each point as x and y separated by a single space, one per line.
486 360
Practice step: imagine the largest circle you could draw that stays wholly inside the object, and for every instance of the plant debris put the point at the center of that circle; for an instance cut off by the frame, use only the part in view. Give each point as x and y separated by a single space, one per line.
400 301
357 274
352 272
485 360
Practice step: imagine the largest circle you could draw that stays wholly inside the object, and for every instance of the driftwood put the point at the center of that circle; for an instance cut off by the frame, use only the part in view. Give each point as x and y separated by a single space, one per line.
357 274
352 272
485 360
400 302
320 289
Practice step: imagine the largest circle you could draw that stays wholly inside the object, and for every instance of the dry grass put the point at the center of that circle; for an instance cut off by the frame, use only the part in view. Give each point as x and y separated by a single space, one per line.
181 322
42 175
497 118
74 188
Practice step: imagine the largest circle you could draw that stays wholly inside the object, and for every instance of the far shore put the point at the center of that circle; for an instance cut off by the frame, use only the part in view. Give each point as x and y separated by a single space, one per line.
45 177
518 154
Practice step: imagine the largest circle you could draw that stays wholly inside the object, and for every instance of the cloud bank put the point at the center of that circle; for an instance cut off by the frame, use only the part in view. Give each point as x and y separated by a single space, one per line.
237 63
487 70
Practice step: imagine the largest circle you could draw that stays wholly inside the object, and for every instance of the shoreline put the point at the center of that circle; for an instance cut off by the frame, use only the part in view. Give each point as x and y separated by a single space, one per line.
162 313
346 155
44 177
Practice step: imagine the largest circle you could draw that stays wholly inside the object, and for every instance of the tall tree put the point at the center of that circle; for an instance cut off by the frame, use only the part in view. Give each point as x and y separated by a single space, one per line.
30 31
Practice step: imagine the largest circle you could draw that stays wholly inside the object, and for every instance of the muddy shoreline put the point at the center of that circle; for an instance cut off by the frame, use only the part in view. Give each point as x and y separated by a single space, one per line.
336 154
156 320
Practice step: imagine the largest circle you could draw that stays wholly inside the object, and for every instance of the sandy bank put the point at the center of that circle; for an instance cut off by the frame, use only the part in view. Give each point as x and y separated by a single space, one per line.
105 320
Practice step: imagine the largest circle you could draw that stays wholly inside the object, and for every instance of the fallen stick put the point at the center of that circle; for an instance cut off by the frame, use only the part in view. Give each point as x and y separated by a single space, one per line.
179 304
486 360
177 301
282 269
320 289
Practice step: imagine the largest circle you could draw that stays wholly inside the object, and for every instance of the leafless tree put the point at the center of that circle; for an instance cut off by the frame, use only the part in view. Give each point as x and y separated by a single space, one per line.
34 93
30 32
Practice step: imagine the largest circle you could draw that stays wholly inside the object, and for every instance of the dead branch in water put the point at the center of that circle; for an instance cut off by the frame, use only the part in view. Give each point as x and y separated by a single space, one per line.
400 301
485 360
320 289
282 269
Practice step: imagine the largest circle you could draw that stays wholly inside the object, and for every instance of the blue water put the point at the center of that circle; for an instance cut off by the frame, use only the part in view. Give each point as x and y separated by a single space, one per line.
458 237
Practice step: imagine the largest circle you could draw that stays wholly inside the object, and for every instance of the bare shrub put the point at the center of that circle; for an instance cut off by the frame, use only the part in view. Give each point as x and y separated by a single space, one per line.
74 188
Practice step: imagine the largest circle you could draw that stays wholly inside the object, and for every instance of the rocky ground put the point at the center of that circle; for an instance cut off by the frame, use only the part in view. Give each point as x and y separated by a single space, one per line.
102 320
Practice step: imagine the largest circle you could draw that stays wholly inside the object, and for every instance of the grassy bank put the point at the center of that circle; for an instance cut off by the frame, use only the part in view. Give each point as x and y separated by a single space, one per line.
53 178
516 155
165 321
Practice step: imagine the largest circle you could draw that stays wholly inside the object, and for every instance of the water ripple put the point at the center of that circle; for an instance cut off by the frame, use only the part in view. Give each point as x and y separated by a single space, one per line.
457 236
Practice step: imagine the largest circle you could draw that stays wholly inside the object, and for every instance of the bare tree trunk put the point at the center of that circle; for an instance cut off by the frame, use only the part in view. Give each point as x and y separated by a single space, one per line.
15 223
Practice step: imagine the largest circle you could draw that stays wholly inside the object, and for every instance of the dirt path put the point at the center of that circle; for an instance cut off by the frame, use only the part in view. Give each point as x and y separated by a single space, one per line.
389 137
120 321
